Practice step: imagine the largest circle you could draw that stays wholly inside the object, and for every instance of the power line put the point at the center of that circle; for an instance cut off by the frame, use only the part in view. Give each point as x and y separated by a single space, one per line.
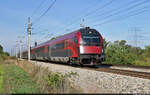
51 5
85 10
105 5
124 10
115 9
40 32
39 6
125 17
87 14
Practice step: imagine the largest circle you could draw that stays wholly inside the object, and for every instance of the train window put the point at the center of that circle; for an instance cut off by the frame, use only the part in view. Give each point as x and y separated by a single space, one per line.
60 45
41 49
67 43
57 46
46 49
74 39
53 47
91 40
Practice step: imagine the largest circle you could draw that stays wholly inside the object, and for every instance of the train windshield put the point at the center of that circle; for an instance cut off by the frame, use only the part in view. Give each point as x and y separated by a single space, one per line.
91 40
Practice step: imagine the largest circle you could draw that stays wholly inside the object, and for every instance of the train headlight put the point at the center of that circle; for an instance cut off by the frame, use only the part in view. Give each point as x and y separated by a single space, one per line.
103 50
81 49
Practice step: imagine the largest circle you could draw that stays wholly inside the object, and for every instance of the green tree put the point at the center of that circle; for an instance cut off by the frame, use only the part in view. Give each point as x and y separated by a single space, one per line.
122 43
1 49
146 54
147 51
118 53
116 42
6 53
52 38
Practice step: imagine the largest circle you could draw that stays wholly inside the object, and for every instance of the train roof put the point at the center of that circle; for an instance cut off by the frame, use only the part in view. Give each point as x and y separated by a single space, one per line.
63 37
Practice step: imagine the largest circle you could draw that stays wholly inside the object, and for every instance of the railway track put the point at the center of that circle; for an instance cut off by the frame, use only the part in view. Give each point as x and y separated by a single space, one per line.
106 68
122 72
126 65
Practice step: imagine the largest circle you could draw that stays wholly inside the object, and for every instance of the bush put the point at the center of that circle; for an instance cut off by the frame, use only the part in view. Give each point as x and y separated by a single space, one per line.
3 55
59 83
56 81
119 54
142 63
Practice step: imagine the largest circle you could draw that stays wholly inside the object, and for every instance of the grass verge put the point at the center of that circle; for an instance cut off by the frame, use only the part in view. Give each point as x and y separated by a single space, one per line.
48 81
1 79
17 81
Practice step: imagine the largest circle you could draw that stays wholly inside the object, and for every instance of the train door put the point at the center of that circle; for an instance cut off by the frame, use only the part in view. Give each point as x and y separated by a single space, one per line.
66 47
49 49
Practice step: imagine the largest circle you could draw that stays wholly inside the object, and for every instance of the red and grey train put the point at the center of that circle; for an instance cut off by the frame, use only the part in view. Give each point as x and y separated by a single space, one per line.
83 46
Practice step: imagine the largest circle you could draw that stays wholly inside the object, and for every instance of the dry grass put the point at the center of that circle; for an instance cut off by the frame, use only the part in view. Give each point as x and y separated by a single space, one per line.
47 81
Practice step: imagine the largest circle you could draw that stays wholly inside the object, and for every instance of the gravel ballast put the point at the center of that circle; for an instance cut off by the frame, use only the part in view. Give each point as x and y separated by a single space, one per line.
100 82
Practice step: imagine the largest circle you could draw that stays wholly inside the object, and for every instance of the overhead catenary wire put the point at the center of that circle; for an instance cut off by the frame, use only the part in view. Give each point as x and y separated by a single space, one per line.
39 6
124 10
50 6
77 19
111 11
87 9
89 13
80 14
118 19
105 5
125 17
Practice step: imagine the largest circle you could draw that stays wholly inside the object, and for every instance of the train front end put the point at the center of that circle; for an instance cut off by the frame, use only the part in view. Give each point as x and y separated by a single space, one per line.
91 50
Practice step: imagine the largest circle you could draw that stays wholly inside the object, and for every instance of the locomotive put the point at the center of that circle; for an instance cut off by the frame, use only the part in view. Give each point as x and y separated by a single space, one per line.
83 46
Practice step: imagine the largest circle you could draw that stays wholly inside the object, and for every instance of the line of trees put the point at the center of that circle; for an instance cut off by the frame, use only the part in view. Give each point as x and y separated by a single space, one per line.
119 52
3 55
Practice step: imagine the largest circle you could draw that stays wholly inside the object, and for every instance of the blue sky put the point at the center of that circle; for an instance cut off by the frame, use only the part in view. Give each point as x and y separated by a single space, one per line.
66 16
